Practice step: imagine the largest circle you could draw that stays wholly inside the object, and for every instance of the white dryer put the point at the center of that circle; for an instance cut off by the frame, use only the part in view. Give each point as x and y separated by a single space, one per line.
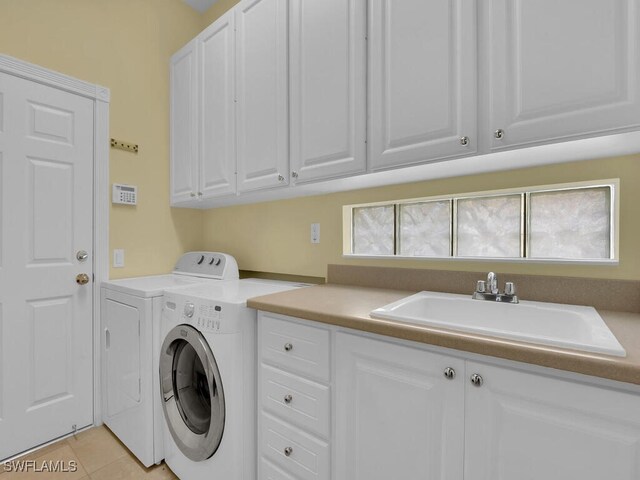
208 379
130 317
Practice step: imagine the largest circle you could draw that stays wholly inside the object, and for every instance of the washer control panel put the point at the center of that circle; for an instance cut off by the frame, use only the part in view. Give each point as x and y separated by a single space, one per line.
208 317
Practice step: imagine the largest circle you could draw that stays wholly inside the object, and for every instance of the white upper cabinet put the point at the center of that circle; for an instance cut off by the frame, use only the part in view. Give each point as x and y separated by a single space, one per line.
422 81
262 94
281 93
327 88
217 107
560 70
184 124
524 425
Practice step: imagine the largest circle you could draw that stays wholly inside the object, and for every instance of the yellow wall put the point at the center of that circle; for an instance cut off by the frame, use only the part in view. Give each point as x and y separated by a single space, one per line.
124 45
274 236
216 10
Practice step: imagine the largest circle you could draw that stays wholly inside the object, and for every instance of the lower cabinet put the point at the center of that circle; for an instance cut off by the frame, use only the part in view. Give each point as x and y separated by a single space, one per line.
294 400
521 425
344 405
397 415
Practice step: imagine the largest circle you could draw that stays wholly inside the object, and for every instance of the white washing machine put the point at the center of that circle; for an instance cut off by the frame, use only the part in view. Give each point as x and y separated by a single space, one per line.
208 379
130 317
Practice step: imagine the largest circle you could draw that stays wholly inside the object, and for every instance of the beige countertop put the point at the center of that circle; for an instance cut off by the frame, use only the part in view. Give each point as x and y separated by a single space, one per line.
349 306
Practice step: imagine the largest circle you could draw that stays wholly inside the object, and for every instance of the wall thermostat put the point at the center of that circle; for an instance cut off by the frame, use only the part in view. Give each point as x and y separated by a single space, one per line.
125 194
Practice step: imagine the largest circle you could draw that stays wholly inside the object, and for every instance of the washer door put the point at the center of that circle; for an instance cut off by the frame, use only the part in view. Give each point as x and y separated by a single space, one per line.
192 393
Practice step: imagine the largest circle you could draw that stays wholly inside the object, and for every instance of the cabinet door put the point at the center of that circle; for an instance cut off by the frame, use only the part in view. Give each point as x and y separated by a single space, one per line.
328 88
217 119
397 416
561 70
262 91
521 425
184 122
422 81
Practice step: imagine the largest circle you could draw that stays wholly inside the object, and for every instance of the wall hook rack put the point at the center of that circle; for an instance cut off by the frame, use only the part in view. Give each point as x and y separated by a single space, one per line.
126 146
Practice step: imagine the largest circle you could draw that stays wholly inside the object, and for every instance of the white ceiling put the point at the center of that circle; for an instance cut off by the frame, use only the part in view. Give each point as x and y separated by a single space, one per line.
200 5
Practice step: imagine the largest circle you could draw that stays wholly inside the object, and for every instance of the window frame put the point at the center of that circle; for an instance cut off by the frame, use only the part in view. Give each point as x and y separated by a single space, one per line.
613 184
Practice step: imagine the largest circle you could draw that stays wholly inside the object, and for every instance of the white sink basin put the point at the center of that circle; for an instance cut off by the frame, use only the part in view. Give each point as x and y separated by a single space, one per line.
566 326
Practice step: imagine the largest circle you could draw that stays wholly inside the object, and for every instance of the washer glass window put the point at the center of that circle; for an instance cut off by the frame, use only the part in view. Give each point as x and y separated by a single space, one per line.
193 396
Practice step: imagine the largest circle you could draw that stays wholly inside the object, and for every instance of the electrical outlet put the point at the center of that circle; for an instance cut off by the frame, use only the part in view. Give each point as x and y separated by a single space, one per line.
315 233
118 258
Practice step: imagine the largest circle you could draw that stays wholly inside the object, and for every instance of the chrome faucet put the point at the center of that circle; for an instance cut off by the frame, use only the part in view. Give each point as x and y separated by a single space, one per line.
492 283
489 290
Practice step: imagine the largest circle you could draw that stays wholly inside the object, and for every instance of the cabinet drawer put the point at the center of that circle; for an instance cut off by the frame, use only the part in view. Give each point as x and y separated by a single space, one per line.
268 471
300 348
299 401
307 458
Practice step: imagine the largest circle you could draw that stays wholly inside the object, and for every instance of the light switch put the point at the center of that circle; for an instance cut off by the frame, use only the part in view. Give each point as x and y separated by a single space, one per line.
315 233
118 258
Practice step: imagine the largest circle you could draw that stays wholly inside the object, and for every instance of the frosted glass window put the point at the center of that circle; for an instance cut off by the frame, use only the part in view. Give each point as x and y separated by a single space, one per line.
571 224
374 230
425 229
489 226
547 222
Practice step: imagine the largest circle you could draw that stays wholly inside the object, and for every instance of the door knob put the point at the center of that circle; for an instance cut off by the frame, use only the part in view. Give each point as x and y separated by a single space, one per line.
82 255
82 279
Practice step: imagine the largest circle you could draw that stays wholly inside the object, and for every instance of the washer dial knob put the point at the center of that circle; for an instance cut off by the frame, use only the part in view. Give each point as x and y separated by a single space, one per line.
189 309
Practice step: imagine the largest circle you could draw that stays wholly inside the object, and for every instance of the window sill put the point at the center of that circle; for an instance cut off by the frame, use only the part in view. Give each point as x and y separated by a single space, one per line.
551 261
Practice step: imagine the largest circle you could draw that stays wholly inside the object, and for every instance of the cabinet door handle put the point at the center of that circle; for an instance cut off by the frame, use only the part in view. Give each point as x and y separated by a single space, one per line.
192 194
499 134
280 178
464 141
288 399
294 174
449 373
288 347
476 380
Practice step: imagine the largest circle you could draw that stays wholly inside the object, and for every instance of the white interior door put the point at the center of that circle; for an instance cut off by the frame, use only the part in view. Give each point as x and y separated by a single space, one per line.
46 205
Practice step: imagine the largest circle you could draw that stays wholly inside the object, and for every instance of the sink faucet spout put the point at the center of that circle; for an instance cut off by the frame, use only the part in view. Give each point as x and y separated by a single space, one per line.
492 283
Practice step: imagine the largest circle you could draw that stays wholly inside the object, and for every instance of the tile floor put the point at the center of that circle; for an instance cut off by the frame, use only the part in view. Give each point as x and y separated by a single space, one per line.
98 454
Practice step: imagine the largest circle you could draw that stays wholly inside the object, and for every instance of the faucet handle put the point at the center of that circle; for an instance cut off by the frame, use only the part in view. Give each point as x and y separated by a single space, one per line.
509 288
481 286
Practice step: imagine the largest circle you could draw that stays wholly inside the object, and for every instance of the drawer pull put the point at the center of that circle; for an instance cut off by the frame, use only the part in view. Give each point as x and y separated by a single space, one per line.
288 451
288 399
288 347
